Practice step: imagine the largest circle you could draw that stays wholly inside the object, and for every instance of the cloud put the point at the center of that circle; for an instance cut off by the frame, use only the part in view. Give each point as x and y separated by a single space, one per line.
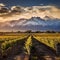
3 9
41 4
17 8
18 12
2 5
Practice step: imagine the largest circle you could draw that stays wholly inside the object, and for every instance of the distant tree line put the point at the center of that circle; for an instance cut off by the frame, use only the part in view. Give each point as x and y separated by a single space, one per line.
30 31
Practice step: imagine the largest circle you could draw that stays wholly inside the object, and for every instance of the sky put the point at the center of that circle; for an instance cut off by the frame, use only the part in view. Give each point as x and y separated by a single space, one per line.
30 2
17 9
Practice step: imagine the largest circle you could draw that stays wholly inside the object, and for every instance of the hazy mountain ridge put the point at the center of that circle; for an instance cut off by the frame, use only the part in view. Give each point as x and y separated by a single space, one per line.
35 23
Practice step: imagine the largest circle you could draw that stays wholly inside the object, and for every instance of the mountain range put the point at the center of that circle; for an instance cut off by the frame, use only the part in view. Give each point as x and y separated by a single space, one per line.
34 23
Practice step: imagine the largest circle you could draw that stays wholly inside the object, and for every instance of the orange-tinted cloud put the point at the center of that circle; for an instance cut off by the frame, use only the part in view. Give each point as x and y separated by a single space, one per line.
18 12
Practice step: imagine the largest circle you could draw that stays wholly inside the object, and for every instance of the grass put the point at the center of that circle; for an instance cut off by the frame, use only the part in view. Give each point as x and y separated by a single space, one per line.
50 39
9 40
